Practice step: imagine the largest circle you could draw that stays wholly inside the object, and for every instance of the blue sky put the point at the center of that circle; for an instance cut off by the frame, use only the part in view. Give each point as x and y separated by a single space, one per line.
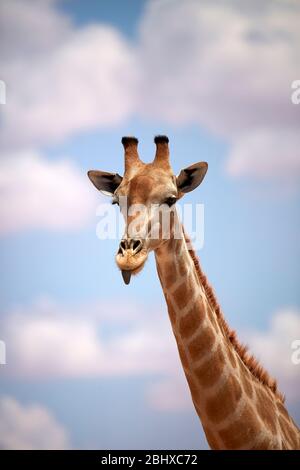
51 271
125 17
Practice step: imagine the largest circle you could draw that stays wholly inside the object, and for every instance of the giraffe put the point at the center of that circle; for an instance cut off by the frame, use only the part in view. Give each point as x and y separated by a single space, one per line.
238 403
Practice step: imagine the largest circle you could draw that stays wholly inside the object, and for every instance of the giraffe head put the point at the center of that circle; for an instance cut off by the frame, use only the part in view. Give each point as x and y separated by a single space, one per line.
146 194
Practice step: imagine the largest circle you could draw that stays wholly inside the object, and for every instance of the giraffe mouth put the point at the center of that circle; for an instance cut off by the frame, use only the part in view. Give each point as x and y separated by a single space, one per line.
127 273
126 276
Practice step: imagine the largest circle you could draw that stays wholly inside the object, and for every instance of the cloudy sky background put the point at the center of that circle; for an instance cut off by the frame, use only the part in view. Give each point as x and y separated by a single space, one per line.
92 363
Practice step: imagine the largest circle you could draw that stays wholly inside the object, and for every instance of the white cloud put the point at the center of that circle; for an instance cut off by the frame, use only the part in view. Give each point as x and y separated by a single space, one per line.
60 79
30 28
228 67
171 393
47 340
264 153
30 427
37 193
274 348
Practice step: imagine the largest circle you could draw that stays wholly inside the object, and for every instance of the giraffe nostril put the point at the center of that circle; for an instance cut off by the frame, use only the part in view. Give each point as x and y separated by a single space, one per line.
136 245
123 245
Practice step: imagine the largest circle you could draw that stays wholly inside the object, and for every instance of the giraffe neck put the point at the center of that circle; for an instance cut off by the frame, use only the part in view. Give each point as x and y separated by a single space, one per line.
235 409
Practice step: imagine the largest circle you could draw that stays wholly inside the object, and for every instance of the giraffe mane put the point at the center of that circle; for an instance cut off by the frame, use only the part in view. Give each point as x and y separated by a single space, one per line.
252 364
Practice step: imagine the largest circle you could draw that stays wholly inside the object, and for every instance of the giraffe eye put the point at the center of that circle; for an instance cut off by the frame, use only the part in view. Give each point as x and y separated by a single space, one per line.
170 200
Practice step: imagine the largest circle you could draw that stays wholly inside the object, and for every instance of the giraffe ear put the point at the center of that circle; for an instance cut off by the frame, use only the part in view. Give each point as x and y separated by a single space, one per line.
107 183
189 178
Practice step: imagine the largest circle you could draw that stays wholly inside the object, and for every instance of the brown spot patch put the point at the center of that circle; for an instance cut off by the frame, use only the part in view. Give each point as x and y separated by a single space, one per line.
169 274
209 372
242 432
223 403
266 410
201 344
182 295
190 322
182 266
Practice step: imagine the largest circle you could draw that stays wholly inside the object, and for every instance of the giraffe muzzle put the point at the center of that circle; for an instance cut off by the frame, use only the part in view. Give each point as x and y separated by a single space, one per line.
131 257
